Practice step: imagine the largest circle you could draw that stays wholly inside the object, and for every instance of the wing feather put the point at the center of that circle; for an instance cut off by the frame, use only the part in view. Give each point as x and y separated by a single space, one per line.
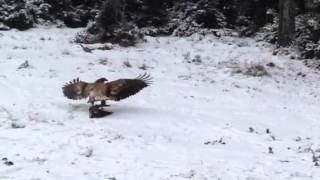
114 90
75 89
124 88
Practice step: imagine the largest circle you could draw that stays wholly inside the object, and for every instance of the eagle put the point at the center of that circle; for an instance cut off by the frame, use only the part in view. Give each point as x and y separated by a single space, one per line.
103 90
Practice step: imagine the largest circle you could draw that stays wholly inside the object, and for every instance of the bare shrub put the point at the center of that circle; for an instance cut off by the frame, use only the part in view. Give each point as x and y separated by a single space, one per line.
255 70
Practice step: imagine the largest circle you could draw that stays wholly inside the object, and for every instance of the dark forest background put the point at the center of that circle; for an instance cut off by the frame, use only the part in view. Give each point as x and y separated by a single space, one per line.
125 22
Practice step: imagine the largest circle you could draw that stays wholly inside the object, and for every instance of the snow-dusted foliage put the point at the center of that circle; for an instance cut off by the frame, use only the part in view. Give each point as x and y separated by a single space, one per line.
188 18
111 25
136 17
245 16
307 34
24 13
180 18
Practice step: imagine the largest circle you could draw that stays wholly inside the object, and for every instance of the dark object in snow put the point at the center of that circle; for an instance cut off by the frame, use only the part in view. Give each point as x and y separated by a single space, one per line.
298 139
251 130
127 64
256 71
86 49
270 150
143 67
220 141
15 125
9 163
271 64
315 157
197 60
24 65
268 131
98 112
301 74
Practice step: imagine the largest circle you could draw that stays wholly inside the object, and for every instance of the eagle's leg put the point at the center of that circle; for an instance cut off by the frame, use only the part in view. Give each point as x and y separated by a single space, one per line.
91 101
103 103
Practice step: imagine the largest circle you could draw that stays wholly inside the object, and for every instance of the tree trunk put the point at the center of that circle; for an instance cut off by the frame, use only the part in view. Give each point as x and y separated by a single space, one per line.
286 30
309 5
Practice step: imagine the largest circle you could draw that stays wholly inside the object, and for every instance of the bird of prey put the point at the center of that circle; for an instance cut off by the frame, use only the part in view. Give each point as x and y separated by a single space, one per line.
102 90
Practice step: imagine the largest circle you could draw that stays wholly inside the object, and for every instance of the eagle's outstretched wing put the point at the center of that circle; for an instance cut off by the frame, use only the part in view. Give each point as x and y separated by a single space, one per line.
101 90
124 88
76 89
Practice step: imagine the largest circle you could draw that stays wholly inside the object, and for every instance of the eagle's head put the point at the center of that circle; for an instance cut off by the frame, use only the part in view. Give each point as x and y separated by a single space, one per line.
101 80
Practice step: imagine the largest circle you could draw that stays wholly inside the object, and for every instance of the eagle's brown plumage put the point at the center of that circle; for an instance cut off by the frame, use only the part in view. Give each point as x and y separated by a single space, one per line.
101 90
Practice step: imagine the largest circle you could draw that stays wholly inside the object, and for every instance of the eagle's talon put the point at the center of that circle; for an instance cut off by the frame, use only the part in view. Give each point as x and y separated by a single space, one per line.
103 104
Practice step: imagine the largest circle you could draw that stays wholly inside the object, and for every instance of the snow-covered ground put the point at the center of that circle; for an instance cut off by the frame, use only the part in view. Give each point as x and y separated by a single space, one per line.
199 119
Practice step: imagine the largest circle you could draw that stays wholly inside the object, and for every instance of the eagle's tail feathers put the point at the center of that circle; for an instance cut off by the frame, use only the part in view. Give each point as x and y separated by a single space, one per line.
146 78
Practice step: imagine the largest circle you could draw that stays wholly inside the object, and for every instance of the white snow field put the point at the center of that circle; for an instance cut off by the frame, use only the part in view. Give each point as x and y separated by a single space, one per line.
201 119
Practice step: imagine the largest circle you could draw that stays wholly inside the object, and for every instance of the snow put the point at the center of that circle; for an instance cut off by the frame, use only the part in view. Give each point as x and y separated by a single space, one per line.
198 120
